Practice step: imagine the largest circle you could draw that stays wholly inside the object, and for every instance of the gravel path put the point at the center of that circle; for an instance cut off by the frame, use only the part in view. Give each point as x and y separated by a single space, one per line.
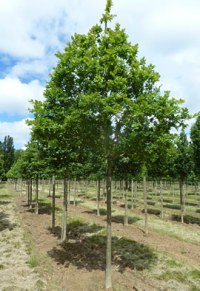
15 270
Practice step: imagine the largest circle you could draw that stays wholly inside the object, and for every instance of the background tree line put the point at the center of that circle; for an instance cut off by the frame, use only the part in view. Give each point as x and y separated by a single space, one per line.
180 161
7 156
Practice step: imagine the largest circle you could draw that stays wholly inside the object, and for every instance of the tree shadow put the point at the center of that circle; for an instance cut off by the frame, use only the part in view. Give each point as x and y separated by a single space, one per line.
43 208
191 204
168 200
46 208
120 219
152 211
151 203
88 252
5 223
76 230
4 202
102 211
187 219
5 197
56 231
172 206
77 202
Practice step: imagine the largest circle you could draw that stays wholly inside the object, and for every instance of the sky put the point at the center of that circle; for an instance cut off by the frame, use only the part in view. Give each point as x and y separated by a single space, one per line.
31 32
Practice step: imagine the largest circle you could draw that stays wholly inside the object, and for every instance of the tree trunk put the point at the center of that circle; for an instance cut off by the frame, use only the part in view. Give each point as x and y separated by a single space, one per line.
69 192
182 200
98 196
132 193
64 224
126 210
199 192
108 282
75 191
161 198
145 205
53 202
28 191
36 195
49 195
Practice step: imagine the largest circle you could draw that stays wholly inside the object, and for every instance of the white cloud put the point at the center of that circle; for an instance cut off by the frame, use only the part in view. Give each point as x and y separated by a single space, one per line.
15 95
19 130
32 67
27 29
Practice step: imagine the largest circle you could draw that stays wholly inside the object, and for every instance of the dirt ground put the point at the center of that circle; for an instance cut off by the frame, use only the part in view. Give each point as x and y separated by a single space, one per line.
79 263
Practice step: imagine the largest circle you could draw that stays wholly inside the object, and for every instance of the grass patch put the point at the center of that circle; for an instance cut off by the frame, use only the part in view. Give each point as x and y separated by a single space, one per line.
33 261
173 275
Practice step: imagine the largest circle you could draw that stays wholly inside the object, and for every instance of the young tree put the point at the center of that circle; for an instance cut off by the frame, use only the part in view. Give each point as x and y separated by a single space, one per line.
102 98
183 166
195 143
8 152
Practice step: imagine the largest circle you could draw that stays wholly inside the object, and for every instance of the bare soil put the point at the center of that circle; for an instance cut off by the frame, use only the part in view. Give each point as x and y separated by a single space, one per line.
79 263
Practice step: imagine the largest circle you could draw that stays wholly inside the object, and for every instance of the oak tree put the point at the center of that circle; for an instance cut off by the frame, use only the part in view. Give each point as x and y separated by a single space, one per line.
102 98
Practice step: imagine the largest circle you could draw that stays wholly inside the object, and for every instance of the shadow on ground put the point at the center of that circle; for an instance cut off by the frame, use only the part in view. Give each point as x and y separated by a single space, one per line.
86 248
5 223
102 211
120 219
5 197
43 207
4 202
187 219
76 230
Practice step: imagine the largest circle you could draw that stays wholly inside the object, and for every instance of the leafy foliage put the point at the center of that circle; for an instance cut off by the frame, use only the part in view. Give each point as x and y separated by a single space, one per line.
195 139
7 153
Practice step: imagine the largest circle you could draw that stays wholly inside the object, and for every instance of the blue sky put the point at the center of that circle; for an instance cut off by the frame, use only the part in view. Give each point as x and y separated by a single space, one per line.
31 32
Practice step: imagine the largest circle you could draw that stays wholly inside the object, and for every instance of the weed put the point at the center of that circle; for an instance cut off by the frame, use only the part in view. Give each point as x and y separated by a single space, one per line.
195 274
33 261
172 263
